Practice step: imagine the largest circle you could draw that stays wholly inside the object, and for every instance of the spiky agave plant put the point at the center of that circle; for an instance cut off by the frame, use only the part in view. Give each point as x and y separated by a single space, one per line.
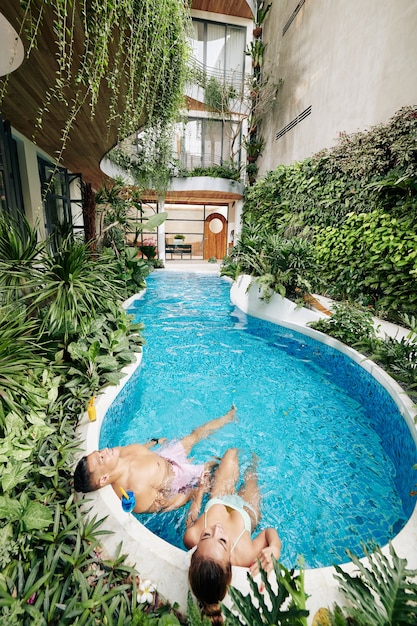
19 250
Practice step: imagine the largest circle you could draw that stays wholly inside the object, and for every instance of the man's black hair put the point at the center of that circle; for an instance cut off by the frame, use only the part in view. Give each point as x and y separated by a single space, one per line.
82 477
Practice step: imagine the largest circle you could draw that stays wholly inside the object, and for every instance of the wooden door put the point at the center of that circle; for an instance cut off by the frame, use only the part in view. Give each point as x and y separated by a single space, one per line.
215 236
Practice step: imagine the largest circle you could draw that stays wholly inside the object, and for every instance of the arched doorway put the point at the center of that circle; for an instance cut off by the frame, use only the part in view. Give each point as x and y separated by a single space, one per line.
215 236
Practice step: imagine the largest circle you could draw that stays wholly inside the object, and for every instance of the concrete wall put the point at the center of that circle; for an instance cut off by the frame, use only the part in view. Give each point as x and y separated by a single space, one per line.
354 62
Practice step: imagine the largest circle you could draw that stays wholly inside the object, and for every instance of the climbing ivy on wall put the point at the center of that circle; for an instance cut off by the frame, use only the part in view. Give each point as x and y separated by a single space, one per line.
357 204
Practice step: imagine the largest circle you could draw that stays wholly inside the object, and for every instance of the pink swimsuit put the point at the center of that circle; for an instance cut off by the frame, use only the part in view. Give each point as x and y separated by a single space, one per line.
186 475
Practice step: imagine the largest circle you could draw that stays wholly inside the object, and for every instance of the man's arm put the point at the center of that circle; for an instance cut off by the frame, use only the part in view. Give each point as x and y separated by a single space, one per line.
176 502
154 442
195 507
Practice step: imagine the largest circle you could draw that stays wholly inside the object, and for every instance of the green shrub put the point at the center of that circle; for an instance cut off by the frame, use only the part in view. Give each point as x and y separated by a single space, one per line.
348 324
371 256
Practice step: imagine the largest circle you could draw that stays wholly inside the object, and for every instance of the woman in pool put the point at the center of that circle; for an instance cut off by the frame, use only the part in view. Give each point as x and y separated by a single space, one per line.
222 536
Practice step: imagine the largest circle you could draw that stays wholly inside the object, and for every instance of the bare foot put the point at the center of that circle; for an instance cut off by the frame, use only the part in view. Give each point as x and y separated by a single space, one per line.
231 415
252 468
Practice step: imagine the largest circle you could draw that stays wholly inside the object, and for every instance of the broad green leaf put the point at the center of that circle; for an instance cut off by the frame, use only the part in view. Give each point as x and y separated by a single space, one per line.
9 508
36 516
12 476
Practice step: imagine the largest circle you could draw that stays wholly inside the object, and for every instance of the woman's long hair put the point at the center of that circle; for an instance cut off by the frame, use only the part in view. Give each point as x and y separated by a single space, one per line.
209 582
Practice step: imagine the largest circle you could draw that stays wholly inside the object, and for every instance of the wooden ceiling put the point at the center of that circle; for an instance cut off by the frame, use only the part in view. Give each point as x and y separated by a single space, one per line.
90 138
196 196
238 8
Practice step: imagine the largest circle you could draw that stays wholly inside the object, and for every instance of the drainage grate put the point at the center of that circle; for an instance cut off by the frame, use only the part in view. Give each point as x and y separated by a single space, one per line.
292 17
294 122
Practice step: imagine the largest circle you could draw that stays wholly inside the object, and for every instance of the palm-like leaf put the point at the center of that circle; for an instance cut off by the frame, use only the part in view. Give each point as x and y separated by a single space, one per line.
19 250
382 594
70 288
269 607
19 355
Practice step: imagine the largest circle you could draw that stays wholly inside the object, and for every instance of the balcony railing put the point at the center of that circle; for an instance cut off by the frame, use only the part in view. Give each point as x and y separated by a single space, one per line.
229 78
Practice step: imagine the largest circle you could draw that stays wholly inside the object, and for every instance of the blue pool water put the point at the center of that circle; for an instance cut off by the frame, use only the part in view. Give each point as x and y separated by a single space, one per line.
335 455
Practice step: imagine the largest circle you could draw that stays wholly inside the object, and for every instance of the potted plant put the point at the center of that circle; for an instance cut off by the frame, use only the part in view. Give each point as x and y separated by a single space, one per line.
148 248
261 14
256 50
251 171
178 239
254 148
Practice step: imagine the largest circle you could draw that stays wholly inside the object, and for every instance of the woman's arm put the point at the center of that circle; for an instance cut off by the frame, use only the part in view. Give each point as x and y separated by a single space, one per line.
272 546
192 534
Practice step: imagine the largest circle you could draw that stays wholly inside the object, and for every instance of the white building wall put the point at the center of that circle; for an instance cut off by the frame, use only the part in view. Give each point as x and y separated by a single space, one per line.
353 61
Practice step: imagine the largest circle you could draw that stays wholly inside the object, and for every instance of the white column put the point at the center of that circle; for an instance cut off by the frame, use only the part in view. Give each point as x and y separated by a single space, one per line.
161 231
238 219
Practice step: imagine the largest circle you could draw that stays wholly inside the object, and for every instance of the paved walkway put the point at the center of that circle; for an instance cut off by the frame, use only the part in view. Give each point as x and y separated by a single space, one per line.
194 265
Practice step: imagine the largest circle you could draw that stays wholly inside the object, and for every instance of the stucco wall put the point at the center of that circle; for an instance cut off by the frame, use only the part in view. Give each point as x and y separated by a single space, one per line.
354 63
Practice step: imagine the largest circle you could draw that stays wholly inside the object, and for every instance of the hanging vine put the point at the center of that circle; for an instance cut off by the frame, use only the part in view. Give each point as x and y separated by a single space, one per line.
135 49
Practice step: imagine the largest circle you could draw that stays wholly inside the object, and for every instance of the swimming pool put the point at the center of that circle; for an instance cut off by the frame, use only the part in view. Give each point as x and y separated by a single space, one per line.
311 413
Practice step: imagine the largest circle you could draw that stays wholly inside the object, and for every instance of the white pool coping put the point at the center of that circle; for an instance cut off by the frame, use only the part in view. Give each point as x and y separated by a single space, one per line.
166 565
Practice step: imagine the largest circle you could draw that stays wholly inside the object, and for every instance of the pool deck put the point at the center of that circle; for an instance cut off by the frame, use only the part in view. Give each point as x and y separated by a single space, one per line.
167 566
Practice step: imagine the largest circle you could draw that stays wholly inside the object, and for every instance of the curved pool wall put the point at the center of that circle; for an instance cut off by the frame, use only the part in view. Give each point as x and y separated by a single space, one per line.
167 566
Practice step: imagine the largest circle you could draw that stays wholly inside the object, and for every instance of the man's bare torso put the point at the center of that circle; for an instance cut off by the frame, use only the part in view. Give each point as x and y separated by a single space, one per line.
147 474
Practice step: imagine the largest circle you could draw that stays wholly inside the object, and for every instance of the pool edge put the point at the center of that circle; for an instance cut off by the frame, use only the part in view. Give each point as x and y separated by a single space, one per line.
167 566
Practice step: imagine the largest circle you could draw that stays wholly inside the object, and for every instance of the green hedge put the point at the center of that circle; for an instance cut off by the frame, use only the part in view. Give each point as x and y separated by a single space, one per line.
357 204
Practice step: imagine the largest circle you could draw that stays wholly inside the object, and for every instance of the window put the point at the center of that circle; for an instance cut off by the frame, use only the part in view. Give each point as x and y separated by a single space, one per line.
62 200
11 198
220 50
207 142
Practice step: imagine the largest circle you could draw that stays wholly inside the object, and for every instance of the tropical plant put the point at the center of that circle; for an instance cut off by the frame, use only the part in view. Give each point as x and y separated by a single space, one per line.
350 324
108 345
371 255
256 50
116 38
69 287
19 250
398 357
147 158
285 605
218 94
252 171
356 203
22 361
262 11
228 170
120 212
279 265
382 593
254 147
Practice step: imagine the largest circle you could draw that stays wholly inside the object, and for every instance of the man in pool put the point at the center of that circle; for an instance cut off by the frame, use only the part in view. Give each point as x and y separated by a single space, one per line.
161 481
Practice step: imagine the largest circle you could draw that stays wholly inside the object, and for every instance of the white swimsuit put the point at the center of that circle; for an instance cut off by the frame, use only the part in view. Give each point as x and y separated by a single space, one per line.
235 502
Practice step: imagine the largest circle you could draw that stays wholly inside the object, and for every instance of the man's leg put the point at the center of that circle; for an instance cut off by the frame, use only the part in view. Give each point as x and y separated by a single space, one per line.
201 432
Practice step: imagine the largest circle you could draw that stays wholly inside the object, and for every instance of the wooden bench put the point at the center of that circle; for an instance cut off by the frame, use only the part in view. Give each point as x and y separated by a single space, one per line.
181 248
